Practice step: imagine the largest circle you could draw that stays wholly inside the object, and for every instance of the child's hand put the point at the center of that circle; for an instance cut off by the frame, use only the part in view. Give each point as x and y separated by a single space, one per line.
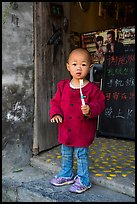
85 109
56 118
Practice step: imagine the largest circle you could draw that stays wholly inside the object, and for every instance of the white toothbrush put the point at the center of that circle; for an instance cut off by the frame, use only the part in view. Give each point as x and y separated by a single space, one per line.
81 94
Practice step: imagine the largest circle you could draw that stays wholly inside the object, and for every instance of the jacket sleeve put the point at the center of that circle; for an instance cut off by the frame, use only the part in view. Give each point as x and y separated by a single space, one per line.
97 104
55 102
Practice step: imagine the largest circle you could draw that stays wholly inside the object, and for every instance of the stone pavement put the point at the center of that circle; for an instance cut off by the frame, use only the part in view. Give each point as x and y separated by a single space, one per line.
32 185
112 167
112 163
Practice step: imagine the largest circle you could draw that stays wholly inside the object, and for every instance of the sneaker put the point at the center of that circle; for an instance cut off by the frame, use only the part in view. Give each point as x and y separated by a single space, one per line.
78 187
61 181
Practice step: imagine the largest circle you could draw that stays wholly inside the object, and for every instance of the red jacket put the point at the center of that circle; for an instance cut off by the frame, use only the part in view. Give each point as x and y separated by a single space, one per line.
76 130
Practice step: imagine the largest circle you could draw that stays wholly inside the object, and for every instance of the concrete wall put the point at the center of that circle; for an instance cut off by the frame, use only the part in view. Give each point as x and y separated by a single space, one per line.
17 84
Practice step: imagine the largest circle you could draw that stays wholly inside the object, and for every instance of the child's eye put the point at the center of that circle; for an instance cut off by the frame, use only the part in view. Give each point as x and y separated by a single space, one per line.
83 65
74 64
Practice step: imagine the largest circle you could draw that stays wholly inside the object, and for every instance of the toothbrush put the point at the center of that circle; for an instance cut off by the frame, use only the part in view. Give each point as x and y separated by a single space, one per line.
81 94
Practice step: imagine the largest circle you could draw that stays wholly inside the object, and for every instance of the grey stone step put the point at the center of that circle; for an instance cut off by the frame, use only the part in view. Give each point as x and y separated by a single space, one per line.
118 184
32 185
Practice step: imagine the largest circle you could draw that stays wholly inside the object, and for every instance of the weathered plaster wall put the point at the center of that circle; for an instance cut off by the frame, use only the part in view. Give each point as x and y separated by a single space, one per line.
17 84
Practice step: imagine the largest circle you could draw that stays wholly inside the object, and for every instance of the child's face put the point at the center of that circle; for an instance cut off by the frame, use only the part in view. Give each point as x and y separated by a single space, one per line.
79 64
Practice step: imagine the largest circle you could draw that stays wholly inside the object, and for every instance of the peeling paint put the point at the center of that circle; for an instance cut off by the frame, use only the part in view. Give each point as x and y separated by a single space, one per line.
18 113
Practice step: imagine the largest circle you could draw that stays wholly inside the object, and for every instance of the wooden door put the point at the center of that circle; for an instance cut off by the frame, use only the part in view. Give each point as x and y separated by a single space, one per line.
49 69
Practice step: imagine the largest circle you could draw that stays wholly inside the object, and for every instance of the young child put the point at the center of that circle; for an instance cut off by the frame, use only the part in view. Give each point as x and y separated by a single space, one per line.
76 120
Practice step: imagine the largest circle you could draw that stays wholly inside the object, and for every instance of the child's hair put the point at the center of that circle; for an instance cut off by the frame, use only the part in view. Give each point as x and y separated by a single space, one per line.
82 50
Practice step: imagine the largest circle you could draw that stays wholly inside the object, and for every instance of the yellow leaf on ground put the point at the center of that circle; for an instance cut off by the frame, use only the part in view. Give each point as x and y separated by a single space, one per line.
98 174
109 178
48 160
107 171
124 175
59 157
113 175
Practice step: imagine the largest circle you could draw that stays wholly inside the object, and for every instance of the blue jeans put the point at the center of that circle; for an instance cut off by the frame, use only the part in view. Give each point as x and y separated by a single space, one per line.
82 163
